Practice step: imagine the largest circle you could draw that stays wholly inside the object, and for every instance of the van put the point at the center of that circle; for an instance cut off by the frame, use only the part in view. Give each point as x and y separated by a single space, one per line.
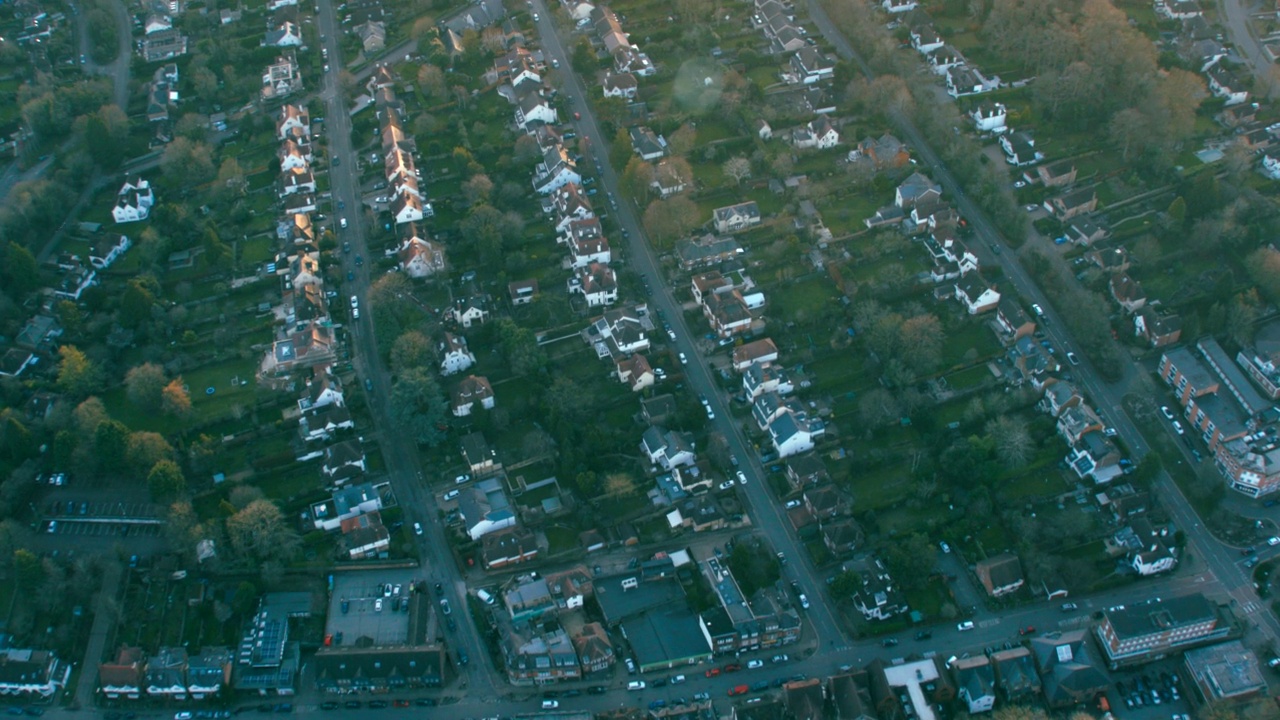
485 597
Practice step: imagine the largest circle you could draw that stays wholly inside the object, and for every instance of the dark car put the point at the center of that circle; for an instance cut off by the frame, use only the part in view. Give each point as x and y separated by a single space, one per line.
377 704
596 690
353 704
329 705
33 711
924 635
425 702
889 642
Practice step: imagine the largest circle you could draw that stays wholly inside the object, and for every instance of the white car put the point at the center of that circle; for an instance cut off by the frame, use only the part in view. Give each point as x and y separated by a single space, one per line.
342 222
683 360
726 485
450 495
678 679
1164 410
417 528
1035 308
355 313
711 414
966 625
550 704
742 478
792 504
753 664
804 601
377 605
1177 426
636 685
1273 540
1031 208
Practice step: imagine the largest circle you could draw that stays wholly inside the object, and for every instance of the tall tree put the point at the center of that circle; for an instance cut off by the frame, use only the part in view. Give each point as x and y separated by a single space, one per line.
145 449
418 406
1013 444
78 376
520 348
110 447
175 401
411 350
259 531
144 385
165 482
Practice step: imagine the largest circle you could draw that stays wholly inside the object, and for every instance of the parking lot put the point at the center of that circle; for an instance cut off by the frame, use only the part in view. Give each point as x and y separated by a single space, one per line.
72 507
363 606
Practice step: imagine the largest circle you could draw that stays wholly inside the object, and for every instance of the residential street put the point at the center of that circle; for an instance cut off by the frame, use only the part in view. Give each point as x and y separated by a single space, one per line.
1219 559
1235 15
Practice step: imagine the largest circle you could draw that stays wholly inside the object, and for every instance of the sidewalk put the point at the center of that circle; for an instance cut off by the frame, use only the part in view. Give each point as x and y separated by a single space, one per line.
103 621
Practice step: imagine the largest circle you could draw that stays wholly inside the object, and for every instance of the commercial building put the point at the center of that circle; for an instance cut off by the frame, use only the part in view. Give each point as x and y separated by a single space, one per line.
1151 630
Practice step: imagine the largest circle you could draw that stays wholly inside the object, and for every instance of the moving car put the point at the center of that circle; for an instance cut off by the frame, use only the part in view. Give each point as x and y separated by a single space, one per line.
417 528
966 625
636 685
753 664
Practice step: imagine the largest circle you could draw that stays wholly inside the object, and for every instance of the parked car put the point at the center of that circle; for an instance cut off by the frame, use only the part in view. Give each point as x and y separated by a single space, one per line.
966 625
1164 410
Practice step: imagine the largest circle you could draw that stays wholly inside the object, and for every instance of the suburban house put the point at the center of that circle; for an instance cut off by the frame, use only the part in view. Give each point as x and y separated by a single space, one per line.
122 677
419 257
976 294
1000 574
534 110
1226 85
760 379
454 355
1068 673
1077 202
620 85
408 207
1057 174
819 134
727 313
485 508
324 422
291 119
471 390
942 60
635 372
842 537
879 598
964 80
989 117
106 249
667 448
556 170
1128 292
522 292
925 38
1149 551
343 461
886 151
364 536
508 547
570 204
134 200
345 504
810 65
589 251
754 353
1178 9
595 650
629 59
734 218
1084 230
917 188
1012 321
647 144
597 283
706 251
667 179
469 310
975 680
481 459
898 6
1020 149
284 34
619 331
794 432
1160 330
281 78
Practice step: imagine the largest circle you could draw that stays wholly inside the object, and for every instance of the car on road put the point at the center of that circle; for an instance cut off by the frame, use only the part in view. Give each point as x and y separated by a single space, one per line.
924 635
342 205
351 275
755 664
597 690
711 415
944 546
1019 184
535 17
671 333
1071 358
966 625
1069 607
635 685
355 302
804 601
377 605
550 704
712 672
1177 426
346 247
1031 208
444 606
781 658
184 715
461 479
631 666
683 360
1027 630
359 260
342 222
417 528
1164 410
889 642
1035 308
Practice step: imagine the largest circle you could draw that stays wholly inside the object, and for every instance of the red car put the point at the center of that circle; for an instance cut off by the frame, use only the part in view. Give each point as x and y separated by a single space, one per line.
732 667
401 703
712 672
739 690
1027 630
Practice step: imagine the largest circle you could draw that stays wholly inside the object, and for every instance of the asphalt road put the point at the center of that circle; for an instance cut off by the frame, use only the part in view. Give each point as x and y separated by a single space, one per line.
403 467
766 512
1219 559
1235 15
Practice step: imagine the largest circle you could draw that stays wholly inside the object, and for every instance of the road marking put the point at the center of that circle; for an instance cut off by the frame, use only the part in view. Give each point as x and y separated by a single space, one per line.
989 623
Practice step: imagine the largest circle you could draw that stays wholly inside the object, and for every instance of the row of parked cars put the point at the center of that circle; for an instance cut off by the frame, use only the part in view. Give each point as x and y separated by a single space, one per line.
1146 690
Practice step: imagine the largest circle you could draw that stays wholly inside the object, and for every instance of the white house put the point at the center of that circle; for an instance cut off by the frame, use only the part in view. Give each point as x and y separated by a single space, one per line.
925 39
407 208
618 332
274 5
291 118
473 389
793 433
667 180
810 65
762 378
976 295
733 218
133 201
942 60
667 448
344 505
534 110
964 80
1224 84
819 134
454 355
587 251
898 6
597 283
989 117
570 205
321 423
1178 9
297 180
1020 149
286 34
293 156
107 250
975 683
620 85
420 257
647 144
556 170
635 371
468 311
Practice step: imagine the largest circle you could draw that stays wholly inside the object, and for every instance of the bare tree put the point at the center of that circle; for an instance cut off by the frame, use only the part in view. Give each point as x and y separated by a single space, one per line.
738 168
1013 442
